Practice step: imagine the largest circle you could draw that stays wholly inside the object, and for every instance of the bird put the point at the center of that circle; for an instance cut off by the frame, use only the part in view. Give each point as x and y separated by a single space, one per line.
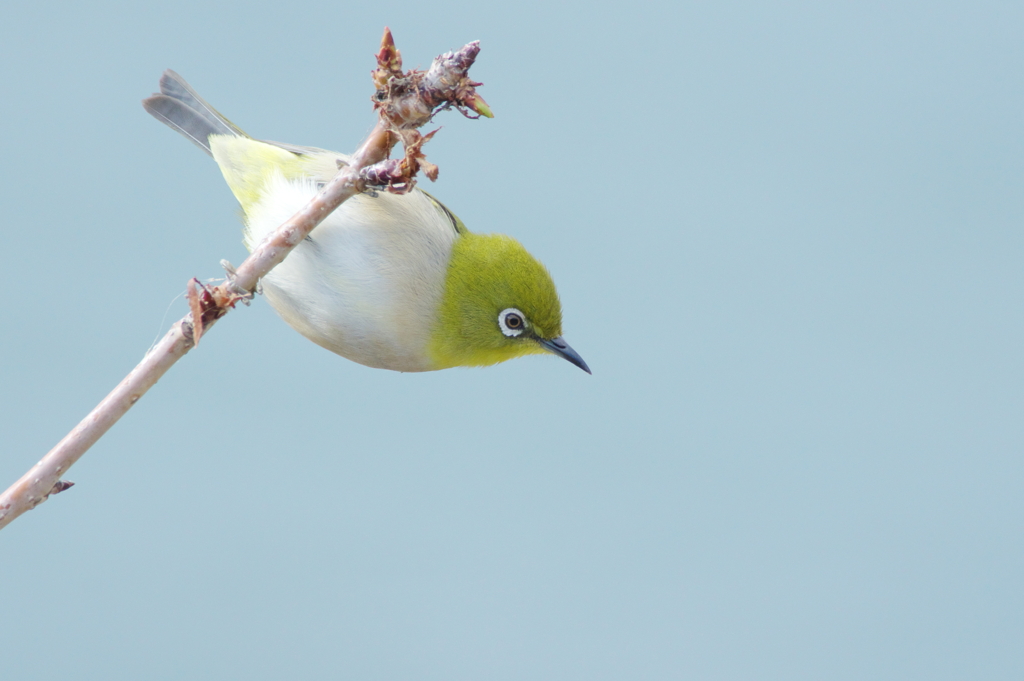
391 281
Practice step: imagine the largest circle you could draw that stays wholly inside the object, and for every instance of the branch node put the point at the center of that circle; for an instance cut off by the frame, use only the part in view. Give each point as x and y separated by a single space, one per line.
408 100
387 174
245 297
207 304
399 176
61 486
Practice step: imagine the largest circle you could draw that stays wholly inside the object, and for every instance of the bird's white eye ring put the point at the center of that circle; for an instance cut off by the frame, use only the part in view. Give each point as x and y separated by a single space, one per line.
511 321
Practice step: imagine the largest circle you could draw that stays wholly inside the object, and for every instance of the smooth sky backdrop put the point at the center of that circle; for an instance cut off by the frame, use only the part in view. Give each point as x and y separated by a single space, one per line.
788 240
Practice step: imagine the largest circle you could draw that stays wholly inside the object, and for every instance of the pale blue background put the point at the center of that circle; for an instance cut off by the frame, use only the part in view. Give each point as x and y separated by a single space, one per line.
788 240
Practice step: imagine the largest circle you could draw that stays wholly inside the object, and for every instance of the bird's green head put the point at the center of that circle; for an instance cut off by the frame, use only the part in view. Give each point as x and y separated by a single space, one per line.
499 303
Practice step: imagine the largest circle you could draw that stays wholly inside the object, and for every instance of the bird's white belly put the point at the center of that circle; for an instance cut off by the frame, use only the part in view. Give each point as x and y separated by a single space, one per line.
369 282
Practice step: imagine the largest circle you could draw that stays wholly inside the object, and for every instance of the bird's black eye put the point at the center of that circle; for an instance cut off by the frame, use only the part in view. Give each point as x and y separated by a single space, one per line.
511 321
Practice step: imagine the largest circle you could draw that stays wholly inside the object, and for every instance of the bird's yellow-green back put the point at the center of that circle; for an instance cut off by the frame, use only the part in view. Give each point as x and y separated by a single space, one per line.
248 165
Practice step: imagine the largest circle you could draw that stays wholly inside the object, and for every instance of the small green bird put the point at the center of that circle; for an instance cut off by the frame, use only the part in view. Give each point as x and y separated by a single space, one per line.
389 281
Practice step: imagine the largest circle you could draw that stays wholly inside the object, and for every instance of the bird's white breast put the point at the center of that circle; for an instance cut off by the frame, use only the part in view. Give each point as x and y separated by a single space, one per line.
369 281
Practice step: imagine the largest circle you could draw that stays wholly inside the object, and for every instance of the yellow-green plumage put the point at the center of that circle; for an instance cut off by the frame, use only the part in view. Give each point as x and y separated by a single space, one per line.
389 281
488 273
248 164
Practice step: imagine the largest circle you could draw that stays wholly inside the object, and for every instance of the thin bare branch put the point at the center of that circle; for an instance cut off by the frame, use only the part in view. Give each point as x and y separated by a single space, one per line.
404 101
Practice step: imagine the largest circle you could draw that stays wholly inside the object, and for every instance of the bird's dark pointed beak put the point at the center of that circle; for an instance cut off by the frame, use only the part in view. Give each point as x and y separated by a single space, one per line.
559 347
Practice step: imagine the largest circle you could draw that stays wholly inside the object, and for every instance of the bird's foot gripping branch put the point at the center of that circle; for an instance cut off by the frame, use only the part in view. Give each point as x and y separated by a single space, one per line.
404 101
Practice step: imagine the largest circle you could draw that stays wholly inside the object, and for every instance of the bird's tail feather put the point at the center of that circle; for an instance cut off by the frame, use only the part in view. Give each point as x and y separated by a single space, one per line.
181 108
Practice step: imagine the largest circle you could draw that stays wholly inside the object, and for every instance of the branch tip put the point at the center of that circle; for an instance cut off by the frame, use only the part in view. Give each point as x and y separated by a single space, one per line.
389 61
475 102
407 100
